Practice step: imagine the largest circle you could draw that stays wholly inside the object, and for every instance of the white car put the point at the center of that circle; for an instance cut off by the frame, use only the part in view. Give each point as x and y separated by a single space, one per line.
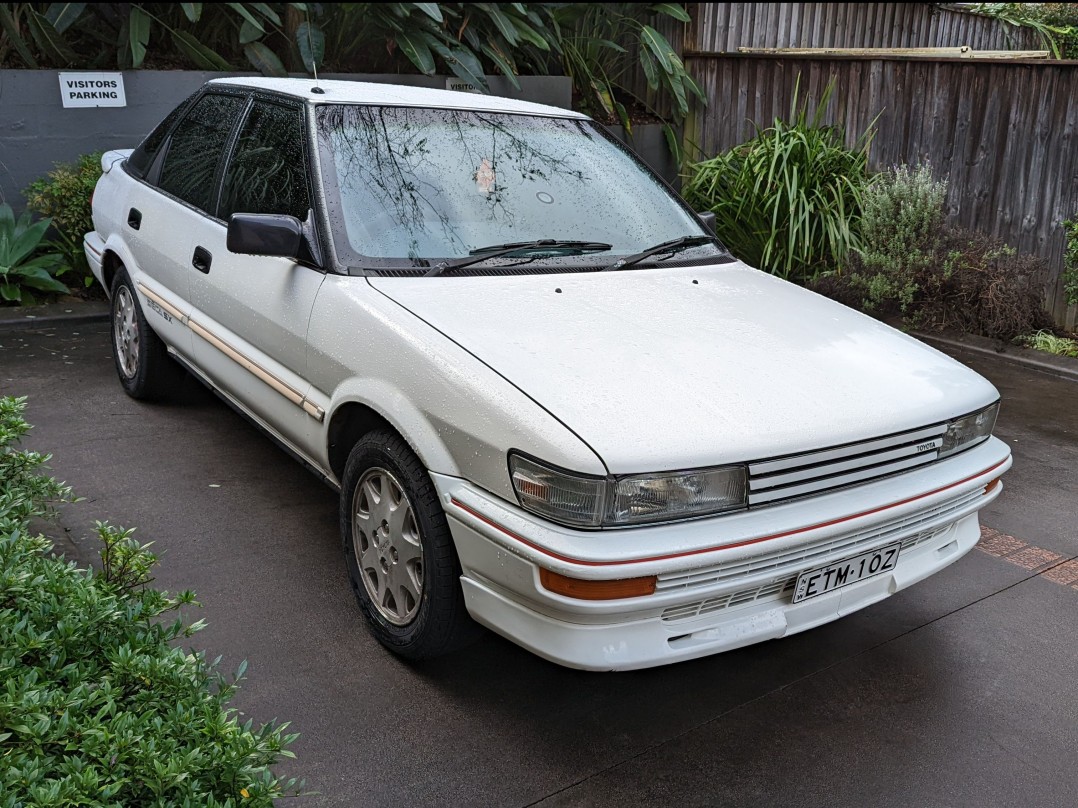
550 399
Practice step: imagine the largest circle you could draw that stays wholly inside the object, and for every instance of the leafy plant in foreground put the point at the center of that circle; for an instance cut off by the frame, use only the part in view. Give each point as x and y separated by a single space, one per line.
789 200
20 269
97 708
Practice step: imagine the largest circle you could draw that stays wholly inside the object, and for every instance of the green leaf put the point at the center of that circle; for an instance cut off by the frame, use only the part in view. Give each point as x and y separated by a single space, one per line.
7 218
39 278
312 45
9 291
264 60
529 34
201 56
192 10
678 89
247 15
503 64
26 242
502 23
417 50
432 10
49 39
138 33
659 47
672 143
695 88
672 10
267 12
248 33
7 22
651 69
466 65
63 15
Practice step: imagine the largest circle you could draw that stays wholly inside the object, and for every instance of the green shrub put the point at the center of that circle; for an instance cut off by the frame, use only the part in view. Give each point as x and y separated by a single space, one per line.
973 282
64 194
901 231
97 708
1070 260
789 200
901 220
24 265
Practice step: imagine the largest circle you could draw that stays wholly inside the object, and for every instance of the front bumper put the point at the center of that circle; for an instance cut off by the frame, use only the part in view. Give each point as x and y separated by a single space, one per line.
723 582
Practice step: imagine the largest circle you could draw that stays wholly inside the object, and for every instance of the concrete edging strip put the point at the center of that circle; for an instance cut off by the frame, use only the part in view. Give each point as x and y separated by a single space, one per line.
15 319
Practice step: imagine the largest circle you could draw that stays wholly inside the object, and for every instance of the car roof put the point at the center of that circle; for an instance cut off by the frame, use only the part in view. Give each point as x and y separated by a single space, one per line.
396 95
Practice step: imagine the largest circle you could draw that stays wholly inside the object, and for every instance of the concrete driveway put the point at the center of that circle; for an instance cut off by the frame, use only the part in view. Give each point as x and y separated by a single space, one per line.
959 691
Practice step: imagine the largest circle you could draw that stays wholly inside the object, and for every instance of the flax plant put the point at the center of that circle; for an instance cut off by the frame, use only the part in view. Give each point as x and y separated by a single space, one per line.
789 200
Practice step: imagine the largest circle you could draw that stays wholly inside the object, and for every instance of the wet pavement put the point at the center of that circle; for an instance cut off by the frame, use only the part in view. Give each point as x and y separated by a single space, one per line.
959 691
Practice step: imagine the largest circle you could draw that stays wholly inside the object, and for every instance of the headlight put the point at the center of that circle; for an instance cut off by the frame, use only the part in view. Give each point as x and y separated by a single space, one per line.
964 432
638 499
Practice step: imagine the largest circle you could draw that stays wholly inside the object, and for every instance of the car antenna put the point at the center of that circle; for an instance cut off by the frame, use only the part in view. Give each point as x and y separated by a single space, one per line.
314 59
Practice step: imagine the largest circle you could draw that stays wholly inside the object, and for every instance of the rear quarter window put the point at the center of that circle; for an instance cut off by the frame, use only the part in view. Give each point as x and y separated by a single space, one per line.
142 158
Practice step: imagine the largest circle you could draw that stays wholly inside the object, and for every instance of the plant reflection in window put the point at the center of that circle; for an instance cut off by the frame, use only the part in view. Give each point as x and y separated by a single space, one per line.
395 160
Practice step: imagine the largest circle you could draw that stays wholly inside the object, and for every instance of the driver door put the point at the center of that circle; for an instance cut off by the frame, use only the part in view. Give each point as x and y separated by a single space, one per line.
254 310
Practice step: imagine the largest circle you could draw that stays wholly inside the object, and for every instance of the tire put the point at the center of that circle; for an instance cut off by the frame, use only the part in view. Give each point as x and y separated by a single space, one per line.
142 362
402 565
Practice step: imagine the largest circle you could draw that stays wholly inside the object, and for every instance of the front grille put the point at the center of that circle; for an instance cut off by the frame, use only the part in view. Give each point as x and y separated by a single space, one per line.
795 476
810 555
773 590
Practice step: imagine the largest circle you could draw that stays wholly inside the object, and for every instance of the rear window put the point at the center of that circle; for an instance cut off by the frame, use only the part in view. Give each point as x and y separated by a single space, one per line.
195 148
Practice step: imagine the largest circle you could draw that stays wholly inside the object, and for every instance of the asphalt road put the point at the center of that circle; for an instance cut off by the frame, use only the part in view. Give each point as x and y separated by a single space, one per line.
957 692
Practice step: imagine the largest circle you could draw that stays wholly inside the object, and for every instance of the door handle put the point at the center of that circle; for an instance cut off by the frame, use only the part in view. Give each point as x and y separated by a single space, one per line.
202 259
134 219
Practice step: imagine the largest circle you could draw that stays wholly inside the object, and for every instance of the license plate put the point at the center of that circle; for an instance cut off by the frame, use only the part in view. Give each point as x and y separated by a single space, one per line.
848 571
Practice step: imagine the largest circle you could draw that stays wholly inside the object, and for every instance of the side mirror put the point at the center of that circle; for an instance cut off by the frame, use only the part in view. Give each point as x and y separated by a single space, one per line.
265 234
708 218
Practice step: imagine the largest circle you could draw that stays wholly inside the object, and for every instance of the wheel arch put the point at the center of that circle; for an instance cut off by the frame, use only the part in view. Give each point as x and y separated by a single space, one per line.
355 417
110 265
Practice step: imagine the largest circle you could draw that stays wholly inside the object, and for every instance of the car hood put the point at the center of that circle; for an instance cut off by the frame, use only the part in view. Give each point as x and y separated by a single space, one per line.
672 368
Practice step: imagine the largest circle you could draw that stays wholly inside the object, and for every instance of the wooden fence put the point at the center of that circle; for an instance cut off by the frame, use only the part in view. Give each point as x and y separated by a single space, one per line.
1003 133
725 27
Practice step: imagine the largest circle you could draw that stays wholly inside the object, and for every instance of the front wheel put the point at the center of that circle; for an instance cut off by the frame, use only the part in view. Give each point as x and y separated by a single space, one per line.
399 551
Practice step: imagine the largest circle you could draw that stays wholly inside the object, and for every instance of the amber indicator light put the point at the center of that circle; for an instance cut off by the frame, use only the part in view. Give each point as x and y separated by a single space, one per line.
991 486
596 590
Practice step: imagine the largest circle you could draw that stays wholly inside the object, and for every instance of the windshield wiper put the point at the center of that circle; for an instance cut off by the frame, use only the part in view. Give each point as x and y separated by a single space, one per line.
673 246
496 250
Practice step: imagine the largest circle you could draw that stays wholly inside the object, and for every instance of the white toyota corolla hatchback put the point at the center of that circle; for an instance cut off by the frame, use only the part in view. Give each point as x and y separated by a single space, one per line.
551 400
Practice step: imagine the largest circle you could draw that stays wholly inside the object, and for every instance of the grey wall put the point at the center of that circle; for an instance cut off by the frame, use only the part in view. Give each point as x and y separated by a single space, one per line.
36 131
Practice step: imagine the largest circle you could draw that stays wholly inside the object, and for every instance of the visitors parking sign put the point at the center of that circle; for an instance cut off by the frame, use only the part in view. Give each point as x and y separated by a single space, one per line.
92 90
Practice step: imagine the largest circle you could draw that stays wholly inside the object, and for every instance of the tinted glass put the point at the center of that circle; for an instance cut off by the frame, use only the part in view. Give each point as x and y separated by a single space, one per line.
408 185
139 161
267 172
195 149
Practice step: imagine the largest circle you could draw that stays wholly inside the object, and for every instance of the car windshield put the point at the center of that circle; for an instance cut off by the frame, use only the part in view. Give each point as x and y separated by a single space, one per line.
410 188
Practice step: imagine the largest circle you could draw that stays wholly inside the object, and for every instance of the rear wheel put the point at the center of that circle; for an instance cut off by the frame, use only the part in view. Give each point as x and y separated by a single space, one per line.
399 551
142 362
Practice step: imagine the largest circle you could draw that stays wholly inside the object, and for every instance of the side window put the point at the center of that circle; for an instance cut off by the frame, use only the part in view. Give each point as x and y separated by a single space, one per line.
267 172
195 149
141 158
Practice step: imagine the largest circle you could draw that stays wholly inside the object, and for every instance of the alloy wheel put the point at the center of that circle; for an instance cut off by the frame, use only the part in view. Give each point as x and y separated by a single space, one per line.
125 332
387 546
